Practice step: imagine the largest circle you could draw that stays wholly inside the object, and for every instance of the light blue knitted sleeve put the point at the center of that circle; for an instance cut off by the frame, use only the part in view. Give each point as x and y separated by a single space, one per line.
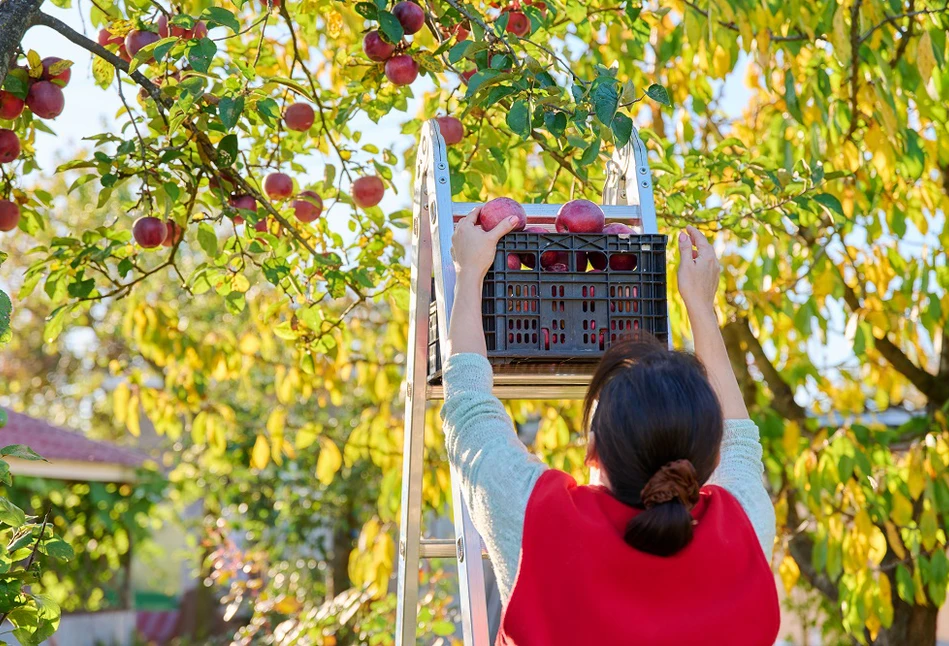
497 472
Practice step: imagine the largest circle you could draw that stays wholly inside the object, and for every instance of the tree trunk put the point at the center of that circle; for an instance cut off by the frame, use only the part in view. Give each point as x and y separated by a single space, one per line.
914 625
16 16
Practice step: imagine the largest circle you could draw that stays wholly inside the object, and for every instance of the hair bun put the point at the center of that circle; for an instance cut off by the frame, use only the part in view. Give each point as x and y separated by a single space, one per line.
674 480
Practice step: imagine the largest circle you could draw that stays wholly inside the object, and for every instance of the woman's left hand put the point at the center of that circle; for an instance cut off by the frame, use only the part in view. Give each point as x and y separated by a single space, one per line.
472 248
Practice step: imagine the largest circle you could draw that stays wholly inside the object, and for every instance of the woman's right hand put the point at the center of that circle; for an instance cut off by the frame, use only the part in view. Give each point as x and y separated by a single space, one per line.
698 272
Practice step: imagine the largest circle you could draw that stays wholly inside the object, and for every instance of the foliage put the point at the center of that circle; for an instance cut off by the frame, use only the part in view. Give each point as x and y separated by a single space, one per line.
279 356
101 522
25 541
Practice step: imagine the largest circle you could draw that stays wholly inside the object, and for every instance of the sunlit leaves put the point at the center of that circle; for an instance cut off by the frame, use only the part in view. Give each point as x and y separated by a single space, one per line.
329 461
659 94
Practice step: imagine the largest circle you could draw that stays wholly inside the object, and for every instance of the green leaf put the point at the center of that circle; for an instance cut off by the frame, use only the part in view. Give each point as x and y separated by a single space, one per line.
215 16
201 53
5 471
6 310
55 322
556 123
268 110
519 118
207 238
590 154
227 150
367 10
18 82
790 96
659 94
164 46
458 51
21 451
57 548
830 202
10 514
633 10
390 28
622 129
605 101
443 628
230 109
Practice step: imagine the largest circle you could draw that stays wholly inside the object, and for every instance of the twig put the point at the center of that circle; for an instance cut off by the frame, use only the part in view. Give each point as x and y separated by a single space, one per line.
733 27
244 31
893 19
260 41
141 141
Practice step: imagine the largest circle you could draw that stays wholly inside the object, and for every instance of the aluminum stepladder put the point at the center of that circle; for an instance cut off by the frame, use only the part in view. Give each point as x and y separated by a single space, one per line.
627 195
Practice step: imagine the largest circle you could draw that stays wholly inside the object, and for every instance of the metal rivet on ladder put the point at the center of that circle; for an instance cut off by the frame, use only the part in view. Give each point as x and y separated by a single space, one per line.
442 179
642 170
442 166
645 184
401 548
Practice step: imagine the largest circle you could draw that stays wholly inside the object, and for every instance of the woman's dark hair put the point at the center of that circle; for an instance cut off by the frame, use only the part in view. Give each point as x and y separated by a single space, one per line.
654 418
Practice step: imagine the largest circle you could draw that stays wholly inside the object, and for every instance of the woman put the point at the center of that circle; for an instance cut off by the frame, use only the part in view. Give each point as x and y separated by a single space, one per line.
673 546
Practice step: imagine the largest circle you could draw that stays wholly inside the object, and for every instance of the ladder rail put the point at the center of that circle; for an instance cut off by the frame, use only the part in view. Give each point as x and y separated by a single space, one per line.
416 397
471 580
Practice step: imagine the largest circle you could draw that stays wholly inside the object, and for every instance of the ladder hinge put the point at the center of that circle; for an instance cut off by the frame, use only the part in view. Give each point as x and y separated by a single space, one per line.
461 550
408 390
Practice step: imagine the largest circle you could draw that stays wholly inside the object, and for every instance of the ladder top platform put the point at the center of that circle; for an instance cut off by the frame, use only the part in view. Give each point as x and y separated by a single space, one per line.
535 381
546 213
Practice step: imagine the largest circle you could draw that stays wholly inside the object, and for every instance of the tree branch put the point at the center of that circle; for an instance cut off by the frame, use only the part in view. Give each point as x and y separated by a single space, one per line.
16 16
854 66
783 393
733 27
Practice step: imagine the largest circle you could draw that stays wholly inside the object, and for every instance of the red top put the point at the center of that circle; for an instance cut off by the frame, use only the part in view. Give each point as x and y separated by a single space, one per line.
579 583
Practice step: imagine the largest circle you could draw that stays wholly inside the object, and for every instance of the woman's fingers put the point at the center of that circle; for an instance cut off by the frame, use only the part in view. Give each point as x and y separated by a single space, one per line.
472 217
702 245
503 228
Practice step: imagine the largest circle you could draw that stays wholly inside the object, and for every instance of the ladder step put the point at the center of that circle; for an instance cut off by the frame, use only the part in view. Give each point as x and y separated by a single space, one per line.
440 548
535 381
547 213
524 392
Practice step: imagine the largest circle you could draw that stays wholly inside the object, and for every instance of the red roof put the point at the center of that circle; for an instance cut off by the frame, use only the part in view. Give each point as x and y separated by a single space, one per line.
58 444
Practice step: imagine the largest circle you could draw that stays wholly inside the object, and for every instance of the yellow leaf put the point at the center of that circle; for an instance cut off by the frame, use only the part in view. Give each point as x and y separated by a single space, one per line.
925 59
721 62
249 344
260 454
920 593
894 539
306 436
35 63
277 420
792 436
885 608
840 36
789 572
103 72
199 428
328 462
928 526
334 24
877 545
120 401
915 478
133 416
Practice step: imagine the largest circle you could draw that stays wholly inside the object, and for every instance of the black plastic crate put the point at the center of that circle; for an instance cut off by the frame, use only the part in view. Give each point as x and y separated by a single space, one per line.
532 315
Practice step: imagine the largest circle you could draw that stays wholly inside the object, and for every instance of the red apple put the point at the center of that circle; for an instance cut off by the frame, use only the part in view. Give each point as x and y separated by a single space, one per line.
242 202
518 23
580 216
11 106
466 76
549 259
598 260
461 32
107 38
308 206
513 261
175 30
529 260
200 30
173 233
278 186
299 117
263 226
149 231
124 54
410 16
9 215
375 48
138 40
61 79
368 191
557 267
452 130
618 229
402 69
9 146
623 261
45 99
499 209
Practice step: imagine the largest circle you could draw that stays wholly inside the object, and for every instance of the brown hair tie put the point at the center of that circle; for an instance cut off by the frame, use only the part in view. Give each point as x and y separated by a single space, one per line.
675 480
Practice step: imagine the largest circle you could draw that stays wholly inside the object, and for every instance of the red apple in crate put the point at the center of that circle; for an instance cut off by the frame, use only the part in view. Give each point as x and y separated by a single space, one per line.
580 216
11 106
149 231
501 208
598 260
308 206
529 260
375 48
513 262
368 191
9 215
452 130
623 261
549 259
9 146
278 186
